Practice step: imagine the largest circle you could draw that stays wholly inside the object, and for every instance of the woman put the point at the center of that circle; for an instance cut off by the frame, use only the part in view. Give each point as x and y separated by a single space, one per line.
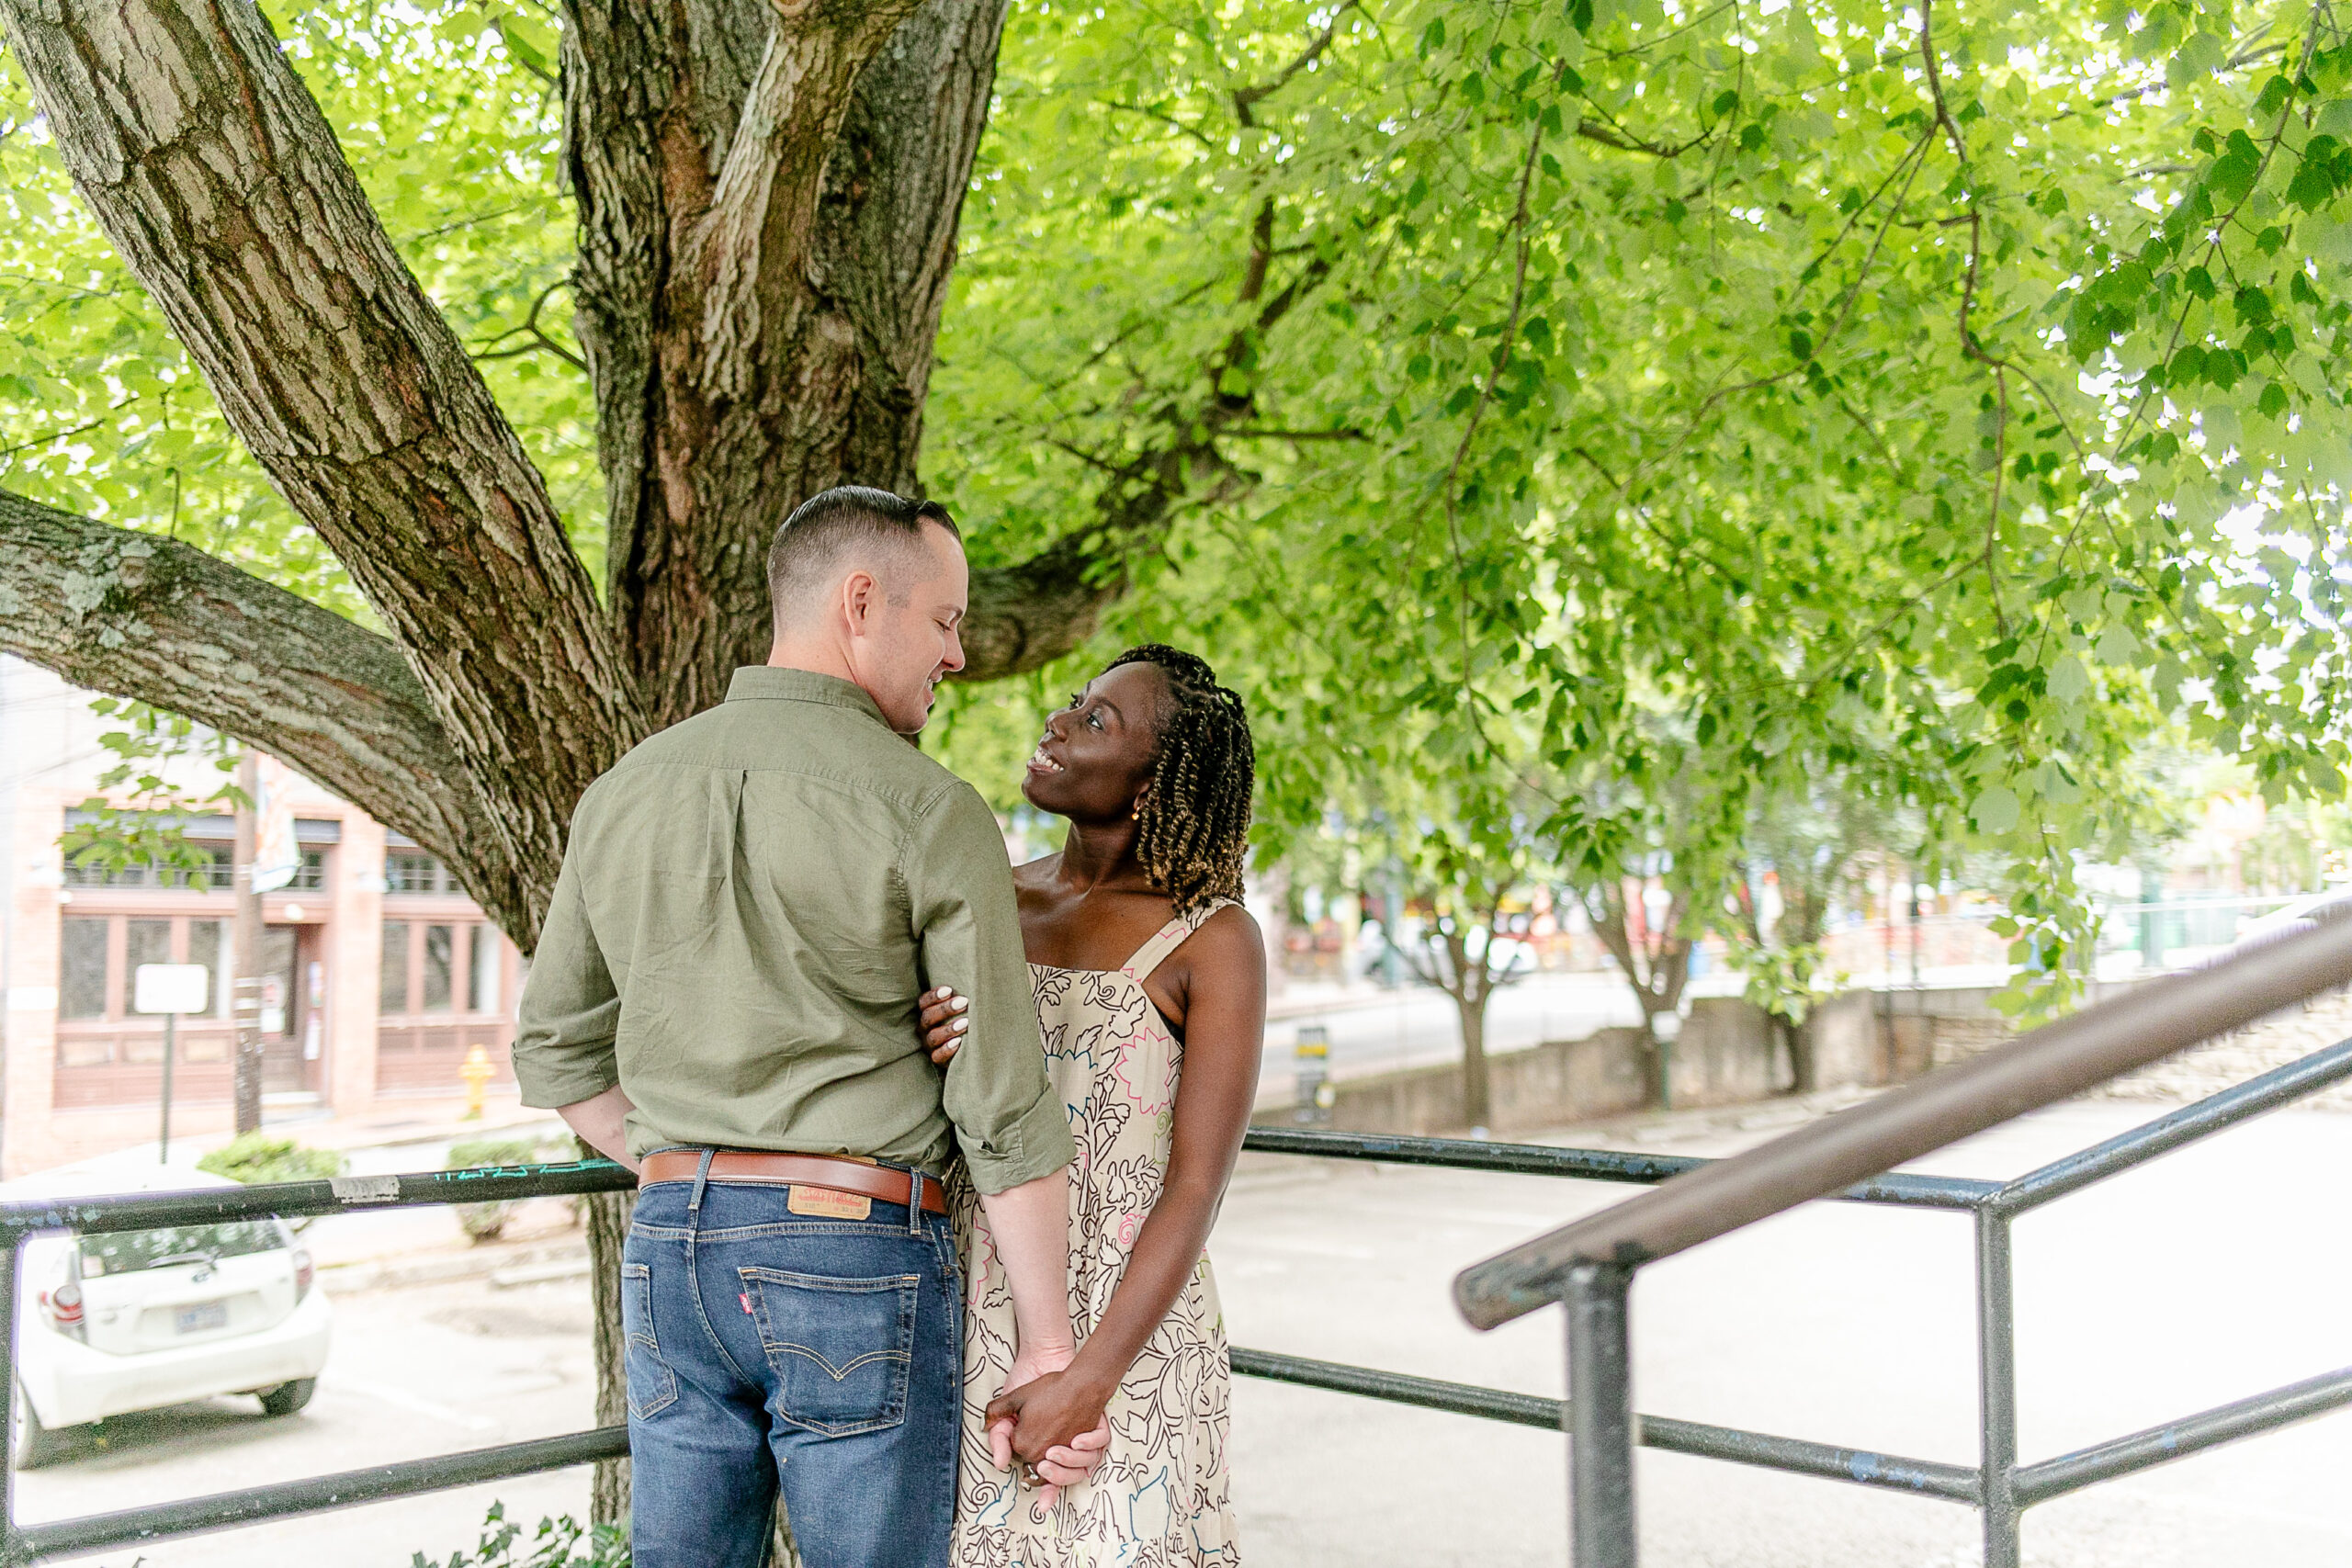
1151 993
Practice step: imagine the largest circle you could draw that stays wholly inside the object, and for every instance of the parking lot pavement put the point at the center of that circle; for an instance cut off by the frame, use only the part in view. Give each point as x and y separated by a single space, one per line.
2215 1273
412 1373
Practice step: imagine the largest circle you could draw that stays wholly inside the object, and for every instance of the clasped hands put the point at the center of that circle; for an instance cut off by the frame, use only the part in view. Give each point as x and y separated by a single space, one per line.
1048 1421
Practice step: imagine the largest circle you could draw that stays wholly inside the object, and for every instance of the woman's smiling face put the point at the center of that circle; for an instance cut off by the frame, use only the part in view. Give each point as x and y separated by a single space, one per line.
1097 754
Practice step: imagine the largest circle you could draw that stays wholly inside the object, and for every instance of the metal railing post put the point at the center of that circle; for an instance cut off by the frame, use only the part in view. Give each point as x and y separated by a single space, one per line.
1599 1417
1996 1388
11 1254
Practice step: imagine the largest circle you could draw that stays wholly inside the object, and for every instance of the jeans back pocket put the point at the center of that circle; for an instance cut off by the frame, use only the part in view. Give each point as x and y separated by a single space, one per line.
841 1349
652 1386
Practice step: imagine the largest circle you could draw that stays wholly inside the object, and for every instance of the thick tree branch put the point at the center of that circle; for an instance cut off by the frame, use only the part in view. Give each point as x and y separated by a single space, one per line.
140 616
748 251
758 285
1030 613
211 167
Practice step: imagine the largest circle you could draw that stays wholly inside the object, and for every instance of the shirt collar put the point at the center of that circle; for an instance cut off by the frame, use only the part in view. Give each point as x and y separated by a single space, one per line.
768 682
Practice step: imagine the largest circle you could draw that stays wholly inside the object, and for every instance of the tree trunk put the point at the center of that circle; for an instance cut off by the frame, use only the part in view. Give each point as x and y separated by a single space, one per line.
768 193
1805 1071
1477 1099
607 1226
245 948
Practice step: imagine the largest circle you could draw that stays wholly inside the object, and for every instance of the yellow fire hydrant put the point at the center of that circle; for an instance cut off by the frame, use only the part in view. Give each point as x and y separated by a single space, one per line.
477 1072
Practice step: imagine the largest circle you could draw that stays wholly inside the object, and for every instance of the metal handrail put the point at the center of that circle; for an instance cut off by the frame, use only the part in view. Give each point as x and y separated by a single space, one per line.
1605 1426
148 1211
2053 1063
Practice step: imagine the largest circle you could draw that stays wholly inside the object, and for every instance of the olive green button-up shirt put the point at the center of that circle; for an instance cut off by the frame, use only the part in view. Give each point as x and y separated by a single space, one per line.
750 905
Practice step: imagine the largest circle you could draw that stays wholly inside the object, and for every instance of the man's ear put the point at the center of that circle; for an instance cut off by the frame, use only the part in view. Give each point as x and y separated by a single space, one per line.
861 595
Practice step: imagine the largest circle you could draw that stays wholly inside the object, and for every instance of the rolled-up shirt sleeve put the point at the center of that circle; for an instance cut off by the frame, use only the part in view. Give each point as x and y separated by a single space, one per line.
1009 1121
571 1010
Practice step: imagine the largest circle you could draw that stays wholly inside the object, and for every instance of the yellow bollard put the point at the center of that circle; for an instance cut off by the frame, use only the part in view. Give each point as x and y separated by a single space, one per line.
477 1072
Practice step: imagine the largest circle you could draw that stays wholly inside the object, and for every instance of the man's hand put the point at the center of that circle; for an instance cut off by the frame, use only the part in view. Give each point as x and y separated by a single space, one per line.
1061 1464
598 1122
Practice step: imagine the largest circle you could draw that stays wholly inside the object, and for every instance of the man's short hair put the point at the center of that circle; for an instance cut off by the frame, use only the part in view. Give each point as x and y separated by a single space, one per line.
809 547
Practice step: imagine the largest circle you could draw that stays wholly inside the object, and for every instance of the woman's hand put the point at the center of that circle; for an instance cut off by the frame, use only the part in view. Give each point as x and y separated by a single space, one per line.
1053 1424
1062 1464
943 1022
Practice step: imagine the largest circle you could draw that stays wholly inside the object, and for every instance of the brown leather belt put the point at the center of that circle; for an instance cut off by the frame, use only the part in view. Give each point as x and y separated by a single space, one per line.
770 1169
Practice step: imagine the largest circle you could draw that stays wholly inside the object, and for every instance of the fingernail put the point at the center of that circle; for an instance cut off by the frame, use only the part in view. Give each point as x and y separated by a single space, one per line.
962 1024
963 1002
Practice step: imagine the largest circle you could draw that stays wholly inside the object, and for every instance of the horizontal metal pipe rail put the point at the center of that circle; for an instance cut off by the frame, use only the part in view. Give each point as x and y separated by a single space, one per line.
162 1521
2053 1063
21 1544
1987 1201
1589 1265
1920 1477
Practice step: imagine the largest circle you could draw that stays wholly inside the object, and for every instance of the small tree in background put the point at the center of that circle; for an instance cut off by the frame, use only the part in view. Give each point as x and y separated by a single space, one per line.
1796 858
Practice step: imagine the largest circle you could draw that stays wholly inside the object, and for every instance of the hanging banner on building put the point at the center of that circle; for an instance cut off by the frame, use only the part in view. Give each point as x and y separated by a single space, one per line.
276 857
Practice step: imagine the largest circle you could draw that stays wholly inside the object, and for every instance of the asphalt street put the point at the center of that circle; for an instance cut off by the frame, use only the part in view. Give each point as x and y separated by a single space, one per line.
1413 1026
2218 1271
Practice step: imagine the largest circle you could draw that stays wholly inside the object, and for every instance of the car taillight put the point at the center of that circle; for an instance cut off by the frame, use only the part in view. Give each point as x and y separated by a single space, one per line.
63 1306
303 1273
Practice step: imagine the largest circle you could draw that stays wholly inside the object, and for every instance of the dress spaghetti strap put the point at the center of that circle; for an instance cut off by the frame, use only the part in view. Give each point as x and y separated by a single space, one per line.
1168 939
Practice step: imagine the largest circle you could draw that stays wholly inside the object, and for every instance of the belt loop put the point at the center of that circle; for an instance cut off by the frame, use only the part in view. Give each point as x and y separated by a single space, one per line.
702 1180
914 1203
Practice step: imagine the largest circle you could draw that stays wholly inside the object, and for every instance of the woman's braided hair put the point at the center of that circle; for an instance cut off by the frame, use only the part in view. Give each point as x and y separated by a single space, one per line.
1192 823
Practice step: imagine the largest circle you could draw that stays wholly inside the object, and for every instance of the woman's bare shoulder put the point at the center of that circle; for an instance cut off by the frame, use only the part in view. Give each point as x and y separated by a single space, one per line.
1230 936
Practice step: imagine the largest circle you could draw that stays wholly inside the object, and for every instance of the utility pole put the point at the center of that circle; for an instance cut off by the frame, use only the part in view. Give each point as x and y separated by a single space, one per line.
248 941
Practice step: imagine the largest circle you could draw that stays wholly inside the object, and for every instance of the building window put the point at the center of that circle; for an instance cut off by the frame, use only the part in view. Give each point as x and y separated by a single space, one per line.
391 987
438 952
481 964
215 872
82 970
311 875
407 871
207 943
144 942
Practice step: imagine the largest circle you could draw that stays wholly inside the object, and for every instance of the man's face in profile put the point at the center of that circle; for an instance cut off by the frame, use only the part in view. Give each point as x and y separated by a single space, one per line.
912 642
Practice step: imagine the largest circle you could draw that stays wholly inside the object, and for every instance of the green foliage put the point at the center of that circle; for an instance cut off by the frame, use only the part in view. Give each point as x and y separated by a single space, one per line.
1644 404
153 752
487 1222
478 1153
258 1159
451 117
558 1543
1961 407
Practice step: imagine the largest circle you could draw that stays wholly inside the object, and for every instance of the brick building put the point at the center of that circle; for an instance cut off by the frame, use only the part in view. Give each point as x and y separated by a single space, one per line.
380 973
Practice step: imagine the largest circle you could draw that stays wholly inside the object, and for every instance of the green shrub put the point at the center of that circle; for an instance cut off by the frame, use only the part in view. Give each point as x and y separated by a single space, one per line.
487 1222
558 1543
255 1158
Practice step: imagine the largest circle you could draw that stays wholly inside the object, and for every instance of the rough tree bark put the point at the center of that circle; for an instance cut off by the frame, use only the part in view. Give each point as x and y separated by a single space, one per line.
154 618
768 194
210 166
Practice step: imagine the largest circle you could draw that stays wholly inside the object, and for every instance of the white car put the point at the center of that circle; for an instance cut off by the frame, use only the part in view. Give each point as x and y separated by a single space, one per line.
136 1320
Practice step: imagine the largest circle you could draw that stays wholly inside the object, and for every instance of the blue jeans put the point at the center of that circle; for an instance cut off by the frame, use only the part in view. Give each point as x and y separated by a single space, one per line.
764 1344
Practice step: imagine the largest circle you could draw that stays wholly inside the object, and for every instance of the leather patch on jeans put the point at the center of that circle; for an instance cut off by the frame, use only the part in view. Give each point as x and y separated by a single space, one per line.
824 1203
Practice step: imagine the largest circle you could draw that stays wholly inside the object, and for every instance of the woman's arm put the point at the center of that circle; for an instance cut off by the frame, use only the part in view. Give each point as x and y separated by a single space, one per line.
1225 1027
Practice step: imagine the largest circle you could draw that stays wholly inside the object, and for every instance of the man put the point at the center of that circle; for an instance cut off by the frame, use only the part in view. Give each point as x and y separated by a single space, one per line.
724 999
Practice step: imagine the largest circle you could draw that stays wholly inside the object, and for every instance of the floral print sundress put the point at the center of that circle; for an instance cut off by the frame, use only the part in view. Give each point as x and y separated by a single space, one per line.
1160 1496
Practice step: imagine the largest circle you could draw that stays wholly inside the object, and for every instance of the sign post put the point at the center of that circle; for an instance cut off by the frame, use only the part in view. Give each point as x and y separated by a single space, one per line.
1314 1086
170 989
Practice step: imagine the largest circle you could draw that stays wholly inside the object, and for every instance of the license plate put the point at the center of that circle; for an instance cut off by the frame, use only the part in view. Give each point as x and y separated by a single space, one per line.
197 1319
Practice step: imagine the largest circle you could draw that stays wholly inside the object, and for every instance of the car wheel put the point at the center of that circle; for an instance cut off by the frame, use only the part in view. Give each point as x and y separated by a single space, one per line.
288 1397
36 1445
